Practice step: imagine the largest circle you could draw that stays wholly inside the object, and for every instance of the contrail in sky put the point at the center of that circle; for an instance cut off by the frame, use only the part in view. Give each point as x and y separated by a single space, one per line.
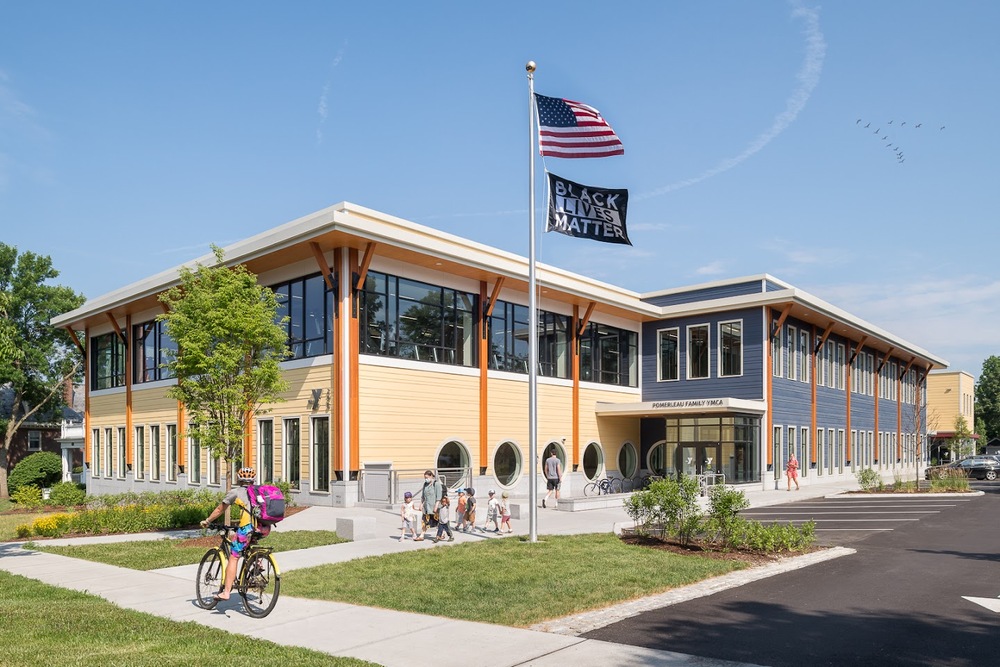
808 77
322 109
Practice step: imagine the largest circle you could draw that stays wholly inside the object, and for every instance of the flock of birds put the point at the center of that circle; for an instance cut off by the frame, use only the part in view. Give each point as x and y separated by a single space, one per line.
884 136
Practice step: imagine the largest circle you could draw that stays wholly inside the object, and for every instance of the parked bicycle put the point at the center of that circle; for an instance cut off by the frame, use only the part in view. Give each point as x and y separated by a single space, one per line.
603 486
258 581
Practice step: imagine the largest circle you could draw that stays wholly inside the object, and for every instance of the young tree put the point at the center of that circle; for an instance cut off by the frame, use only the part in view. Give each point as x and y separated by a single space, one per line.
961 443
36 360
988 398
228 348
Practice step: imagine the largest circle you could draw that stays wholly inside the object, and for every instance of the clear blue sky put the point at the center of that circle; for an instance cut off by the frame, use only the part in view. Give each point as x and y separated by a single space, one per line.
134 134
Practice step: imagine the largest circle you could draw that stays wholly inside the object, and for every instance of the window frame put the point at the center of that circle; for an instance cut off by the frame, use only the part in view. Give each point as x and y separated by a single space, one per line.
708 351
721 356
676 354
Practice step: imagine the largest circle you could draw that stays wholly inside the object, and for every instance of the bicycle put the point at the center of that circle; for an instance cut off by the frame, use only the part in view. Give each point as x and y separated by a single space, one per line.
258 581
603 486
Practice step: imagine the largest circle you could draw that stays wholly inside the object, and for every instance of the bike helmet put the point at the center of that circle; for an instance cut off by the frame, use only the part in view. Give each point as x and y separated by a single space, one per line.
246 474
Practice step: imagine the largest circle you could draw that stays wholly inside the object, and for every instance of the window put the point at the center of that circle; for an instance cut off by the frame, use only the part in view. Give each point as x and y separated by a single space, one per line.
507 463
121 452
829 357
777 451
731 353
609 355
213 467
154 452
452 463
265 438
628 460
805 353
153 347
321 454
792 445
109 453
839 365
776 350
593 460
290 433
668 355
107 362
820 452
697 352
829 445
172 463
34 441
194 458
139 455
791 343
840 450
507 329
413 320
308 304
806 454
95 455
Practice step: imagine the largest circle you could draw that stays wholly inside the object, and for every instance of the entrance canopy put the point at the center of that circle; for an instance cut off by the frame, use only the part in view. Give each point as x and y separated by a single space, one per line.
684 406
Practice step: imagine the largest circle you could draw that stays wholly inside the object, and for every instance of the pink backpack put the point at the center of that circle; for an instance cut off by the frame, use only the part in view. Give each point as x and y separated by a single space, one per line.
267 504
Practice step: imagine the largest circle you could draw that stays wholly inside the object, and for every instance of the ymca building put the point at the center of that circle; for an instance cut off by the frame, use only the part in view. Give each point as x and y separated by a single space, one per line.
410 351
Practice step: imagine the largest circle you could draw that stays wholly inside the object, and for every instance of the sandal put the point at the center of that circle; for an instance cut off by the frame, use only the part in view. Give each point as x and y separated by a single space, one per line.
218 597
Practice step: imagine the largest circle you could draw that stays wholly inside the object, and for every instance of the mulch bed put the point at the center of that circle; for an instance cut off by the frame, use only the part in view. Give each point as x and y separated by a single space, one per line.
696 548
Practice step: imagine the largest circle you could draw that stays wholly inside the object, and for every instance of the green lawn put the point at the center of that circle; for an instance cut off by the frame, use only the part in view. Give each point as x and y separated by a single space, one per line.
168 552
45 625
509 581
9 523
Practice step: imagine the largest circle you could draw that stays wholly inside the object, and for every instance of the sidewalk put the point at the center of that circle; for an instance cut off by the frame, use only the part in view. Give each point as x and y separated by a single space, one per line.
383 636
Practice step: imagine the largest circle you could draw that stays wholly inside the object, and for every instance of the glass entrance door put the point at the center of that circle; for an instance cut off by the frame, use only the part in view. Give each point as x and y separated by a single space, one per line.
699 458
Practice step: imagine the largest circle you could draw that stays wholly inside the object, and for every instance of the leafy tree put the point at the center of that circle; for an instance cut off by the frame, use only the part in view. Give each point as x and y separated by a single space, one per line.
228 348
36 359
961 443
988 398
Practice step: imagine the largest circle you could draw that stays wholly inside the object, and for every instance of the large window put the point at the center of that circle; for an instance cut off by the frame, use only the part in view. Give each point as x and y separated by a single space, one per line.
609 355
308 304
668 355
507 463
107 362
408 319
697 352
321 454
731 349
153 347
290 464
508 336
265 472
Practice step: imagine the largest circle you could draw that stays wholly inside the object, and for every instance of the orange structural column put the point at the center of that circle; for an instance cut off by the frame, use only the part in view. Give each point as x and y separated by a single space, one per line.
129 360
353 346
486 306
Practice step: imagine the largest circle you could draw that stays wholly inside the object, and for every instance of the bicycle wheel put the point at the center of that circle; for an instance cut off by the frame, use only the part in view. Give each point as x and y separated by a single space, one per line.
616 485
628 484
605 485
260 583
209 580
592 489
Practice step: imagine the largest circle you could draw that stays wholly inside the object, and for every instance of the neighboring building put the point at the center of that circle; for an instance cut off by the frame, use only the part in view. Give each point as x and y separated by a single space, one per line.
950 395
410 351
45 433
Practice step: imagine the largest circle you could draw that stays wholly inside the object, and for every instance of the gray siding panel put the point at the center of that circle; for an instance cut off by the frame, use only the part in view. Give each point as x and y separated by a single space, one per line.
705 294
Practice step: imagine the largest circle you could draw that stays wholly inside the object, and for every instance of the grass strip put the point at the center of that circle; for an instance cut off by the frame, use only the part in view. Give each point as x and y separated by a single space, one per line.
45 625
10 522
509 581
170 552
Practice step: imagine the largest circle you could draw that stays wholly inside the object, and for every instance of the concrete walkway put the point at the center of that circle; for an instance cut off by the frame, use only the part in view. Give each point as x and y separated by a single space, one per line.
383 636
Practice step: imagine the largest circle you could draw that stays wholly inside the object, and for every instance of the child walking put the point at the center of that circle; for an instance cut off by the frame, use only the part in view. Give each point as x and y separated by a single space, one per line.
492 513
505 513
409 515
460 523
444 515
470 509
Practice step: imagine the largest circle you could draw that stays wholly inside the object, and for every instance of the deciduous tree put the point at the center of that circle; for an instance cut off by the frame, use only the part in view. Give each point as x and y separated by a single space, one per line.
229 346
36 359
988 398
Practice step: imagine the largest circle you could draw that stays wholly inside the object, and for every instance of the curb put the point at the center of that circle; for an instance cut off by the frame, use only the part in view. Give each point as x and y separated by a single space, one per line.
900 496
579 624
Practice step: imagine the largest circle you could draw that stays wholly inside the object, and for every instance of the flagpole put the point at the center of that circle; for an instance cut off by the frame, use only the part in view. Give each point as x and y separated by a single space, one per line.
532 319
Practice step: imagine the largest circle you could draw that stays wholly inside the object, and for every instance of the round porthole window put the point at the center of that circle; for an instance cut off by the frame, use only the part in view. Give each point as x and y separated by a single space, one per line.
593 460
627 460
507 463
453 463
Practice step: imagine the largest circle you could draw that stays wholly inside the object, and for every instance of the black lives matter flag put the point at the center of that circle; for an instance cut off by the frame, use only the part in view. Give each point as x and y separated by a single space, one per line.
587 212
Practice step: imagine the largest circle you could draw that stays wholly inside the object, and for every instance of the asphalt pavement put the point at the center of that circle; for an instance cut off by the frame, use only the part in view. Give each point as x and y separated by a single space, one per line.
921 589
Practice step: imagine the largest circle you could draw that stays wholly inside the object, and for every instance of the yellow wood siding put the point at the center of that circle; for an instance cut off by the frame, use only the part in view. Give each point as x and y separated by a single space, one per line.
609 432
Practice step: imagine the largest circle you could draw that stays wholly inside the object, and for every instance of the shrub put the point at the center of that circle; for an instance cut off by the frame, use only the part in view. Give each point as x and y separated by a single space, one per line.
67 494
27 495
286 491
868 479
668 506
723 506
43 469
51 525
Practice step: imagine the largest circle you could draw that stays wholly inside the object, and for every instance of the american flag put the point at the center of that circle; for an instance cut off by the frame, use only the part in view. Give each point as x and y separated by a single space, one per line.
572 129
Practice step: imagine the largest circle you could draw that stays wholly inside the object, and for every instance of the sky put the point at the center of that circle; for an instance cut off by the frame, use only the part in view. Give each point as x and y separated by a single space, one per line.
134 135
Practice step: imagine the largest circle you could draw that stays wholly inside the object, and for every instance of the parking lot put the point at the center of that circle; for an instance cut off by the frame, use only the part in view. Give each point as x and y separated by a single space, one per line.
852 517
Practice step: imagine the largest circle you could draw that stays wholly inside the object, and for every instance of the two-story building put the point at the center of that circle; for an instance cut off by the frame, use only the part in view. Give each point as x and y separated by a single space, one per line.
410 348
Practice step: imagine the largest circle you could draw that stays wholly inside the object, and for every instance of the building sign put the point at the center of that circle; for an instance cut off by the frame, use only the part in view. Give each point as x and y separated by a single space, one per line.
692 403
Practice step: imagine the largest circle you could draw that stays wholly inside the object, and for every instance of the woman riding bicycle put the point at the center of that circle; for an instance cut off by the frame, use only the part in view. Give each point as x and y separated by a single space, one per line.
245 531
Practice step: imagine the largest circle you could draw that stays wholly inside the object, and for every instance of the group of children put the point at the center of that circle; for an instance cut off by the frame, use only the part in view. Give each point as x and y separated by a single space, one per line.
497 513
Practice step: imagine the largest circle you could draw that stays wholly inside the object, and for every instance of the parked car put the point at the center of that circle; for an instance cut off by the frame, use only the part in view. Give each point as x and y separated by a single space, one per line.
979 467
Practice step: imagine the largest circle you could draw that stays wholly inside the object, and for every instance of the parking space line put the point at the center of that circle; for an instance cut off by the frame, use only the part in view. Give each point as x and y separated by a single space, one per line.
847 512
